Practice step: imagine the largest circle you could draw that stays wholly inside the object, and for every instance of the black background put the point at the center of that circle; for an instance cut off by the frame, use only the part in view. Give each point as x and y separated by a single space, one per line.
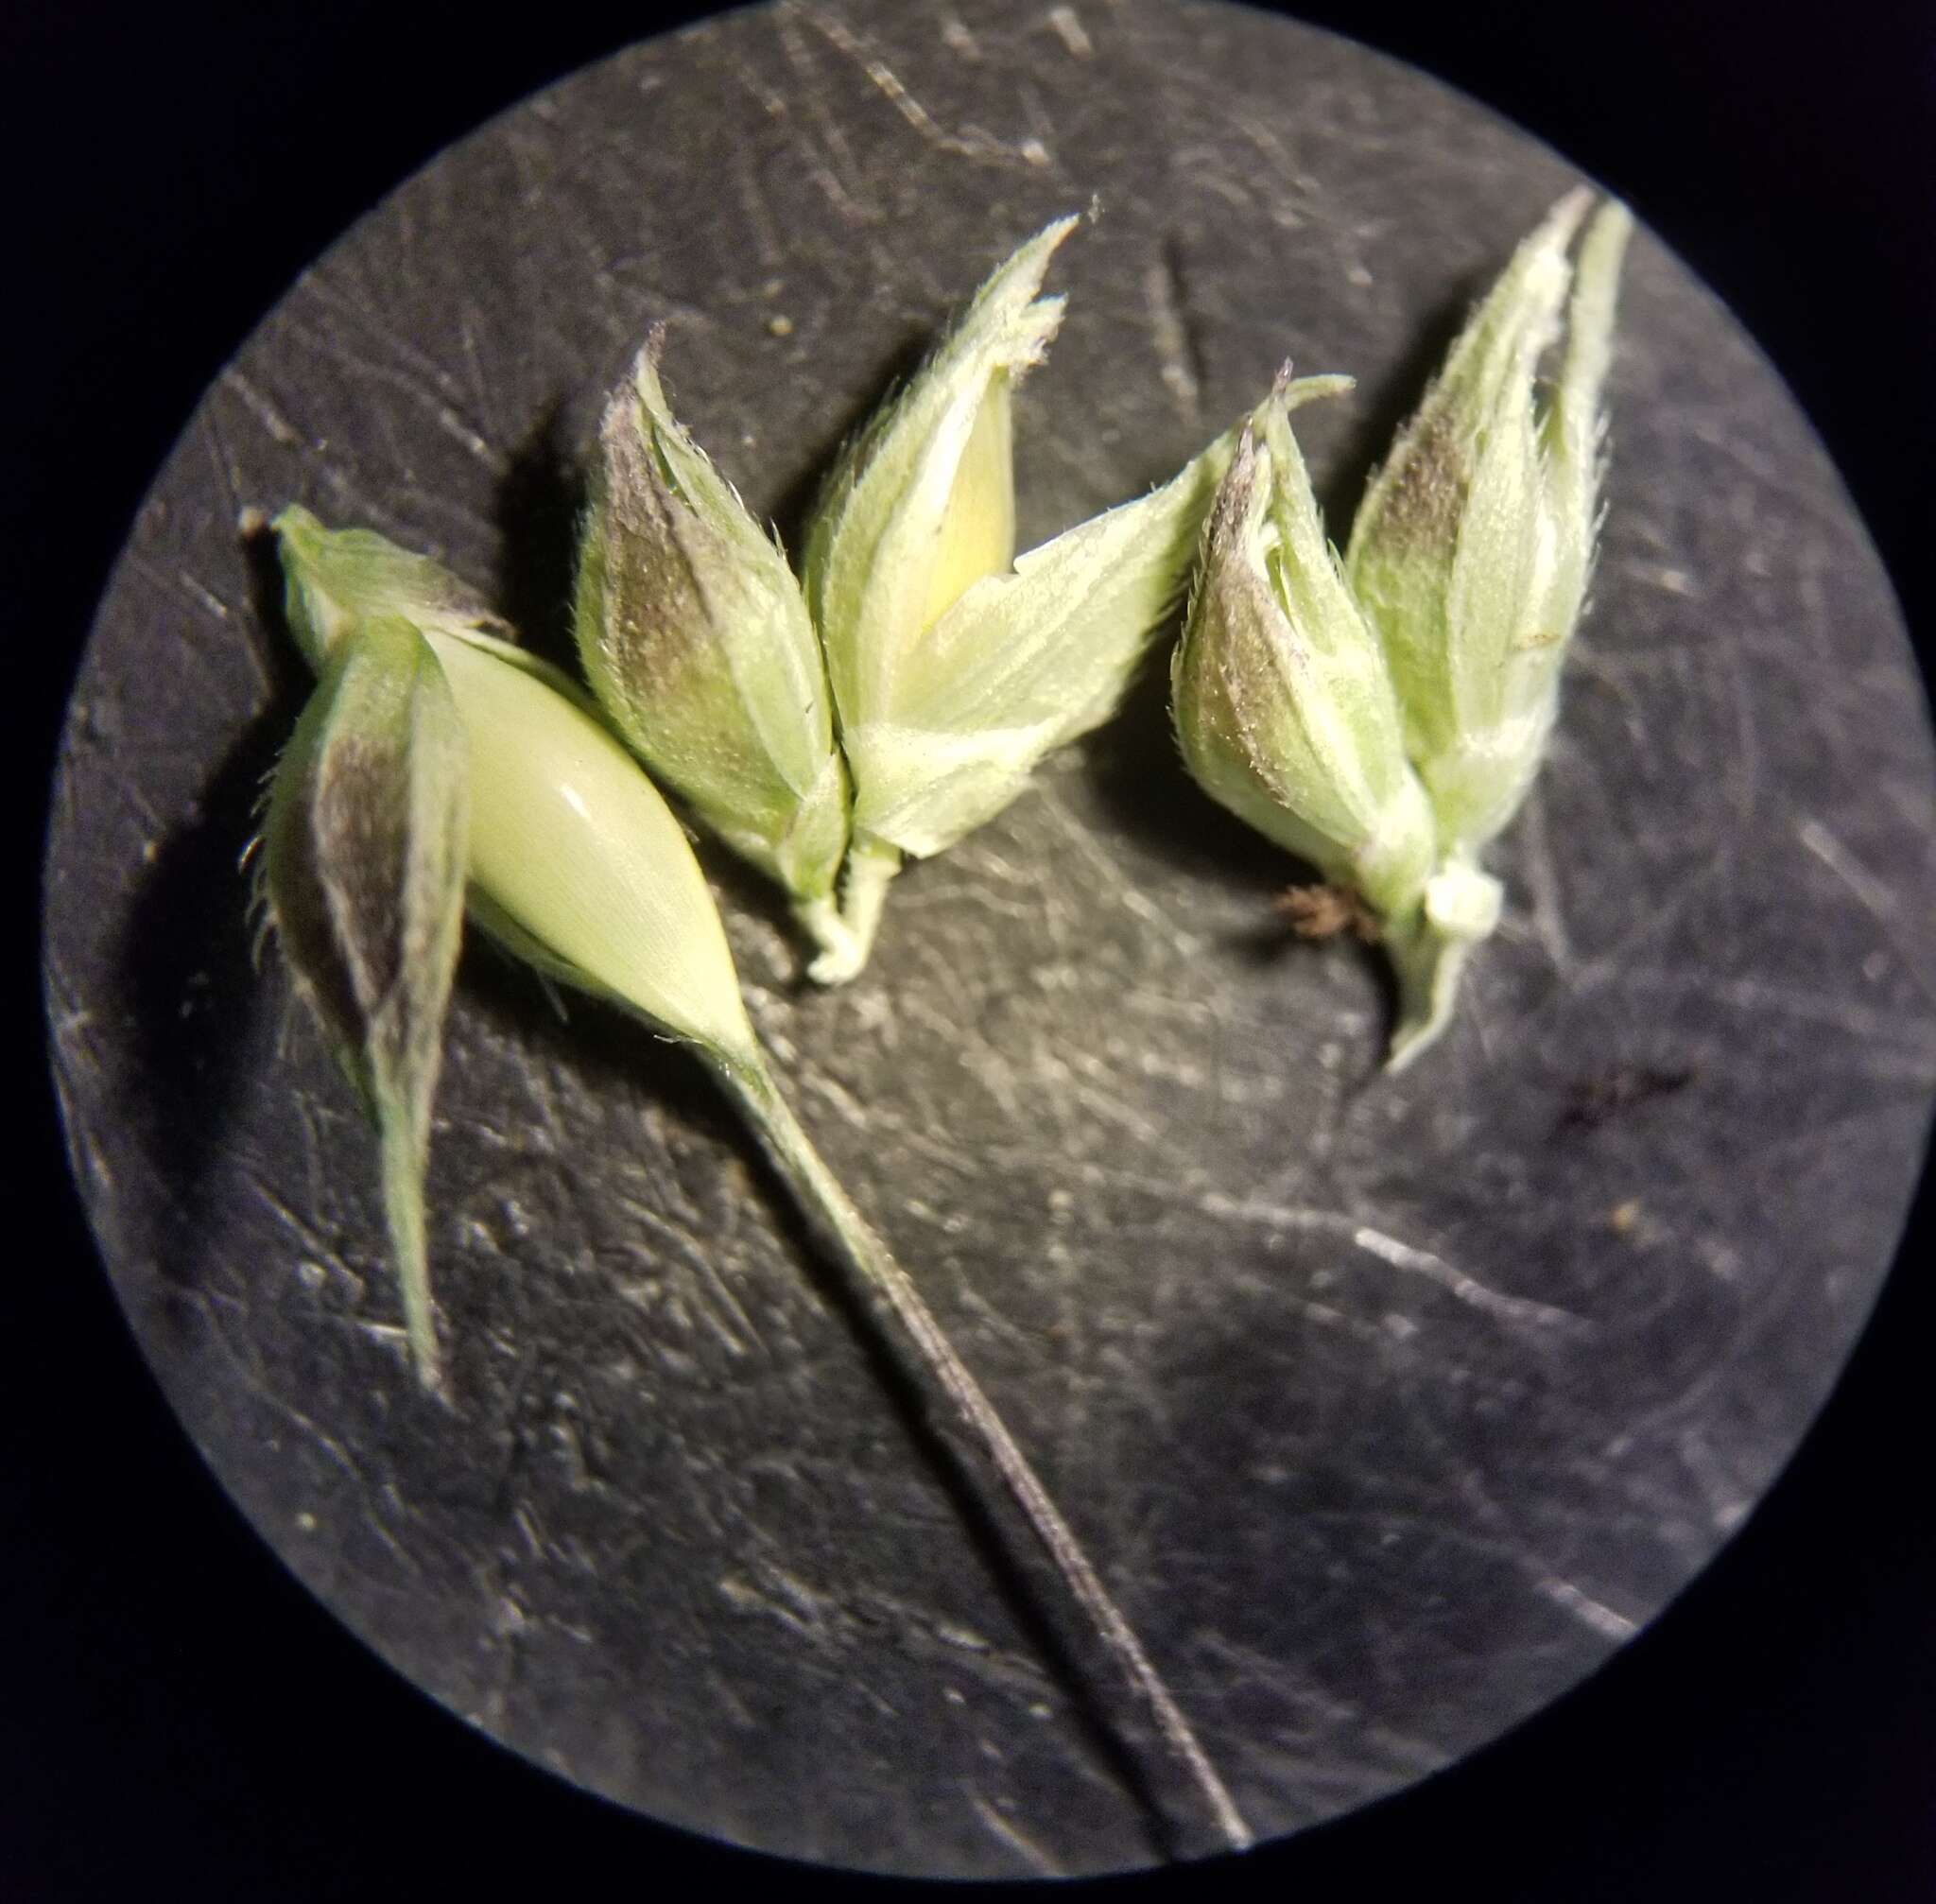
167 174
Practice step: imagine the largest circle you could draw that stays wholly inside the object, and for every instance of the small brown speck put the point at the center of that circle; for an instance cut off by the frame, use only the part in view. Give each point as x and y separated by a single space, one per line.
1624 1219
780 325
1324 911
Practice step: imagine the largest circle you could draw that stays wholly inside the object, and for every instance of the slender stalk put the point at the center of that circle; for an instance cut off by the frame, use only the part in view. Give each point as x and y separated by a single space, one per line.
1180 1777
1428 963
1429 947
872 865
833 947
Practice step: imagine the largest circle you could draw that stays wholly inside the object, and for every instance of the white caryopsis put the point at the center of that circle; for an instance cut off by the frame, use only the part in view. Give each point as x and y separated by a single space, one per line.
439 765
574 861
952 666
1438 647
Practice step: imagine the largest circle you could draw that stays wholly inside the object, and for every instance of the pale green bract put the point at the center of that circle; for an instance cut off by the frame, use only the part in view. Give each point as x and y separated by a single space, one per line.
1022 664
575 861
435 767
696 641
1385 720
361 869
952 666
956 666
1474 545
879 568
1283 704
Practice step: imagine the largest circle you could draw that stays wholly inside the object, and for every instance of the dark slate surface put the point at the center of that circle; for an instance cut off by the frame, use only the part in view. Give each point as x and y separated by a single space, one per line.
1390 1408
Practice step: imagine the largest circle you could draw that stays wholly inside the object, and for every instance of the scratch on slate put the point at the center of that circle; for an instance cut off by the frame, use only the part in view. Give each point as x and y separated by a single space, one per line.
281 431
252 1380
309 1238
444 413
1612 965
730 1303
844 200
1099 1103
278 427
1117 883
709 1277
972 144
1874 895
366 314
752 199
957 37
481 382
178 581
746 1597
1014 1836
224 462
919 1137
1762 995
1584 1608
1066 24
770 103
1876 898
1164 293
1467 1287
1401 1256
